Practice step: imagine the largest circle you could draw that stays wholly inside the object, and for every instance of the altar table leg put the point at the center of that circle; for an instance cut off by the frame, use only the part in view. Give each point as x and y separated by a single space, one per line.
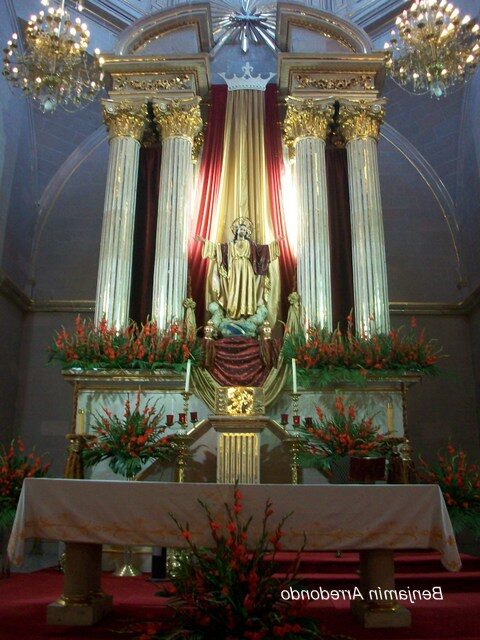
83 601
379 609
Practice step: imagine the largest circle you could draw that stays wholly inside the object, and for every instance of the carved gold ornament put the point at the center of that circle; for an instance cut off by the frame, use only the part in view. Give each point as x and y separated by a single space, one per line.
306 119
197 147
361 119
125 119
152 84
363 82
178 120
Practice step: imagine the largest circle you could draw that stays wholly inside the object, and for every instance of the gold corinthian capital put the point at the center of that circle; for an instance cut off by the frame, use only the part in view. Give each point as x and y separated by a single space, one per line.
306 119
178 120
124 119
361 119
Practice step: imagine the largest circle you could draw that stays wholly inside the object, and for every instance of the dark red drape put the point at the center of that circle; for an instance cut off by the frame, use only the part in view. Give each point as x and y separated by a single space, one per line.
207 190
145 232
275 169
340 234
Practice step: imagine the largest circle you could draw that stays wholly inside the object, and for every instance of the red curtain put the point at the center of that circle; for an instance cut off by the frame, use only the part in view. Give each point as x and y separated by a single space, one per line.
145 232
275 169
207 190
340 235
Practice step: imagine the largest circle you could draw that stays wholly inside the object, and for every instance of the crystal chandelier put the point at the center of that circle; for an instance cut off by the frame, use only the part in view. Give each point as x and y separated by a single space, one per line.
432 50
52 65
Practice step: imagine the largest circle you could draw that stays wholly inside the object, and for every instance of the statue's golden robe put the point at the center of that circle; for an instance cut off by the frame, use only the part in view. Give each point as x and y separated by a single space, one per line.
240 280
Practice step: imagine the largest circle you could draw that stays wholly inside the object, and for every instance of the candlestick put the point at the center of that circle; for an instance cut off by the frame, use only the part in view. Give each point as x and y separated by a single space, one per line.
295 399
170 418
187 377
294 375
182 418
284 419
390 423
186 401
193 416
80 426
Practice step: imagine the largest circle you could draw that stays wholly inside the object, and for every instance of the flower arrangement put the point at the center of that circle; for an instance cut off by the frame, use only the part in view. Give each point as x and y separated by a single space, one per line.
129 441
232 591
335 356
460 484
15 466
134 347
341 434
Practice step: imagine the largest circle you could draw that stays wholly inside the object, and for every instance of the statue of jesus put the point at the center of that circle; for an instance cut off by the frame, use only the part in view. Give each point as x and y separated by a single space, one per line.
241 278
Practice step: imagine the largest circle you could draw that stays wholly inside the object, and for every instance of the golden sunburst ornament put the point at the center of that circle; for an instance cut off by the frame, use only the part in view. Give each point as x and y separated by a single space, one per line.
246 22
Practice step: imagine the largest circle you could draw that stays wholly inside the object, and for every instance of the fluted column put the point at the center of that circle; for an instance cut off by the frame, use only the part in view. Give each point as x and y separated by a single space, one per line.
125 123
360 126
178 122
305 127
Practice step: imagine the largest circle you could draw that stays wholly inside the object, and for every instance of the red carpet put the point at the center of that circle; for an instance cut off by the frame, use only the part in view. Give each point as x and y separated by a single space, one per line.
23 599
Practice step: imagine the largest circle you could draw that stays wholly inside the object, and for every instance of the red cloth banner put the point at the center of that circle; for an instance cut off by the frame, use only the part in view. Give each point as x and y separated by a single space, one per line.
207 192
275 170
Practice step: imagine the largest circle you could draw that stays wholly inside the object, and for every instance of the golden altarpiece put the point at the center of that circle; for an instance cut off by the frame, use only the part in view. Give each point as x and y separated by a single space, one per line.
236 431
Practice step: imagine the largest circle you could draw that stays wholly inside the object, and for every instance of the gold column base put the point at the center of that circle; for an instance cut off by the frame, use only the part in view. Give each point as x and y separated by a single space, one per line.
377 575
74 611
83 602
372 616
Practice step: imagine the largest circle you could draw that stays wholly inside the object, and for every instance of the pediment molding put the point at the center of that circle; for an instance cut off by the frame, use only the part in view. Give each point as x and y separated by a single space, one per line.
291 15
157 24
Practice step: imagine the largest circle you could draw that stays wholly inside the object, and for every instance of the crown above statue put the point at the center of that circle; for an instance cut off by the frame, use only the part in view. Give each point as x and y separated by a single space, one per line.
246 222
247 81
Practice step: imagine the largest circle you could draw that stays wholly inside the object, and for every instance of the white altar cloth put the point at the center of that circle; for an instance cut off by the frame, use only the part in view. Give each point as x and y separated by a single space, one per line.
333 517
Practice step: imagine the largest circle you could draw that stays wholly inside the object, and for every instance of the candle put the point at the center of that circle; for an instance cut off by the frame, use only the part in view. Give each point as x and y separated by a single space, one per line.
294 375
169 419
390 427
296 421
187 378
80 426
309 422
193 416
284 418
182 418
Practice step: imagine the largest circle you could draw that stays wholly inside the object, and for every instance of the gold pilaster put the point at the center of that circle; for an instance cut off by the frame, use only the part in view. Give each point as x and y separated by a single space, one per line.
124 119
361 119
238 458
178 119
306 119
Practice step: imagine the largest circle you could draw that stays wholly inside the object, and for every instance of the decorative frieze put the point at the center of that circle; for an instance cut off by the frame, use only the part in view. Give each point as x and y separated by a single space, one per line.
361 119
363 82
163 82
124 119
178 118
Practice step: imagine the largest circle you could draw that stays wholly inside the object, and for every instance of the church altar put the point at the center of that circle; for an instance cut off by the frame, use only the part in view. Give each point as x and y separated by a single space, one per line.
373 519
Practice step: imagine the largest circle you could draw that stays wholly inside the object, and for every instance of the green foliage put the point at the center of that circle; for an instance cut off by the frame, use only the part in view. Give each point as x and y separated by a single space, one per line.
459 483
15 466
340 434
129 441
143 347
232 591
330 357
